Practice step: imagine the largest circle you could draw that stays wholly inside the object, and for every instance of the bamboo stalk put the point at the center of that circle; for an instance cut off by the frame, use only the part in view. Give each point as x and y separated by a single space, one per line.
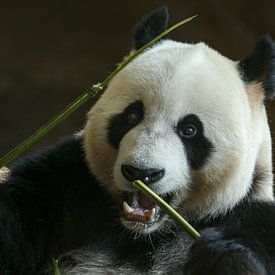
89 93
56 270
167 208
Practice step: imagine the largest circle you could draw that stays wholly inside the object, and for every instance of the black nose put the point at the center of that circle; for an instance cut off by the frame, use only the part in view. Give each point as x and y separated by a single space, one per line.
148 176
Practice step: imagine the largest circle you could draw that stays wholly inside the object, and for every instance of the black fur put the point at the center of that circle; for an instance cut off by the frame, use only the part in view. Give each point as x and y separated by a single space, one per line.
218 253
119 125
150 26
259 66
47 207
241 243
52 204
198 148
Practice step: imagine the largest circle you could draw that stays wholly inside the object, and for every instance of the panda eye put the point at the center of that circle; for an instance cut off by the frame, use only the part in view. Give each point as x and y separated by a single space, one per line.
120 124
134 118
187 131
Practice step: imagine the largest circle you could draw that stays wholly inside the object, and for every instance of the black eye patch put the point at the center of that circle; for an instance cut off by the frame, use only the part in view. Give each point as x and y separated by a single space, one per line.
120 124
198 147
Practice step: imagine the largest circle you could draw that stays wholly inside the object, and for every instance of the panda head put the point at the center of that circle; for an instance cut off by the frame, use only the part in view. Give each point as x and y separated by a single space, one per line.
188 122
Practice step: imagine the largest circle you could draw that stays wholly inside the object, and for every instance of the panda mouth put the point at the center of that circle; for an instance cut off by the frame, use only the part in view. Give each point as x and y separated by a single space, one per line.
137 207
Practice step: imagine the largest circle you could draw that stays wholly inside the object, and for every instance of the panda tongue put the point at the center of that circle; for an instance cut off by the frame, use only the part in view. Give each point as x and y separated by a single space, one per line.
144 201
141 208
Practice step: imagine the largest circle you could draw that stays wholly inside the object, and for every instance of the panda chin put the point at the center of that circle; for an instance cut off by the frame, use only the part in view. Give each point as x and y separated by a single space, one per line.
140 213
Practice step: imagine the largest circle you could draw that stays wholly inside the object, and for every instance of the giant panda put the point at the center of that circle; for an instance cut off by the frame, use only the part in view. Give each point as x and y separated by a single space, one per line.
192 125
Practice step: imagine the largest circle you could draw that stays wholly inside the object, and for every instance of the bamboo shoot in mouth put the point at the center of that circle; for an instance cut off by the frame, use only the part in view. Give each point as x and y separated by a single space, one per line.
167 208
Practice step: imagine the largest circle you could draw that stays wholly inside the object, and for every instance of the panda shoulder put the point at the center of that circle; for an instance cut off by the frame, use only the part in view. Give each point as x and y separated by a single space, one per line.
63 162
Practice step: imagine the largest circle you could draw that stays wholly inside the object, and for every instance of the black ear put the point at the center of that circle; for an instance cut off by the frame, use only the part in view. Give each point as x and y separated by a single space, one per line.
150 26
259 66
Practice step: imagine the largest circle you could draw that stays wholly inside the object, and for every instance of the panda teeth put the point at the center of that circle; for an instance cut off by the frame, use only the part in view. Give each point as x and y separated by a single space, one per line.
127 208
150 214
146 215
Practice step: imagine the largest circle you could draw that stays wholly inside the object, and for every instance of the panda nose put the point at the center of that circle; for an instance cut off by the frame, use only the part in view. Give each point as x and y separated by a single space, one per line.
148 176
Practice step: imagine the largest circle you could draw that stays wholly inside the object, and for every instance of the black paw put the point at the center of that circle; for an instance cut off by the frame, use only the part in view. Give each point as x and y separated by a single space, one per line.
215 255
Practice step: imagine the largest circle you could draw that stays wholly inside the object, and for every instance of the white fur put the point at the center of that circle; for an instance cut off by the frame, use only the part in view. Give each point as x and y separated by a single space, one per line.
175 79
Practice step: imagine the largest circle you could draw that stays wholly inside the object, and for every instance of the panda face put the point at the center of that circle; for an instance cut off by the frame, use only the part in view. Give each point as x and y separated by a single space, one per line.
179 118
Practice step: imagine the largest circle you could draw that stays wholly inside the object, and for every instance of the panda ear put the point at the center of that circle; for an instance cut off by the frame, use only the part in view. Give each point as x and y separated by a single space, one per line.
150 26
259 66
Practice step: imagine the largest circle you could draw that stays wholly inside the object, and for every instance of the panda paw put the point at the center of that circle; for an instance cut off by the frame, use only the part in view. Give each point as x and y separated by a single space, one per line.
215 255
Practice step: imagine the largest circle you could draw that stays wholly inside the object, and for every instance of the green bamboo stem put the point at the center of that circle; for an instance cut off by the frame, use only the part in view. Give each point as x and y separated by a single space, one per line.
167 208
45 129
89 93
139 51
56 270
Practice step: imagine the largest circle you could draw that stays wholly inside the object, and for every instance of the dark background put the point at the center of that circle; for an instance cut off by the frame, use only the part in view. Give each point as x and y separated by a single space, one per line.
50 51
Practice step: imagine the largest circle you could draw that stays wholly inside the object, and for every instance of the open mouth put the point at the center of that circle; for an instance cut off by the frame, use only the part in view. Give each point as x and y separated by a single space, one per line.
139 208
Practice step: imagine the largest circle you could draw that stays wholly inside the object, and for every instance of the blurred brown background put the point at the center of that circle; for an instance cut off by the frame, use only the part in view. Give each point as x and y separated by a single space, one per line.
50 51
